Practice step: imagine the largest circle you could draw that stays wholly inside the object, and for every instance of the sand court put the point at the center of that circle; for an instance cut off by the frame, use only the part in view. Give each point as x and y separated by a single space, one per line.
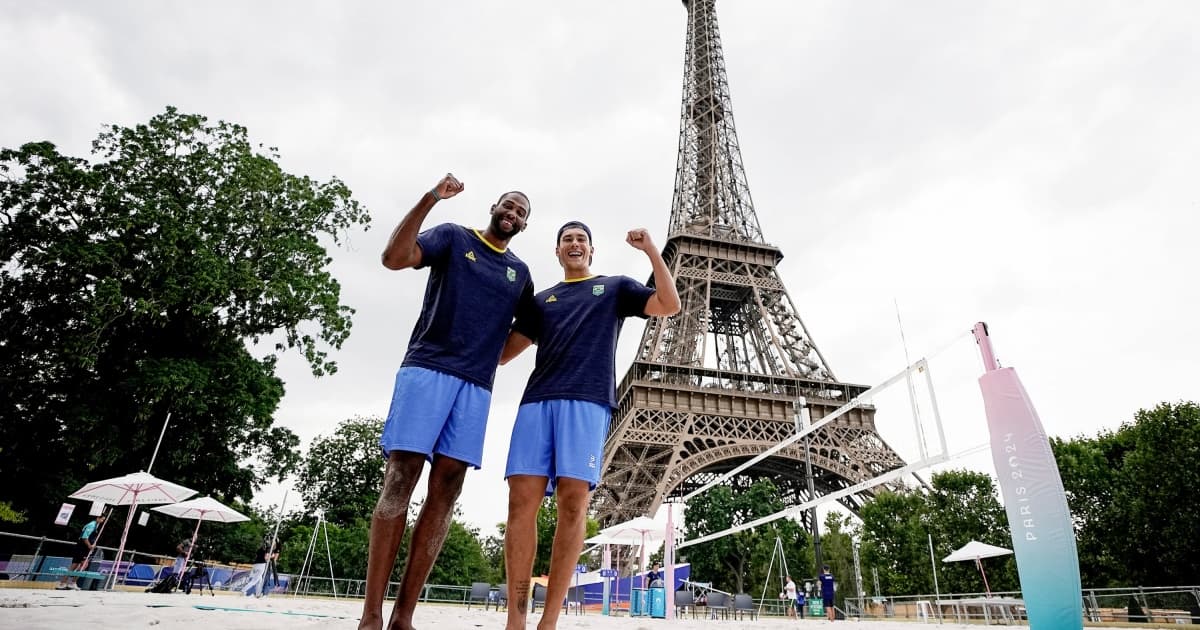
42 609
53 610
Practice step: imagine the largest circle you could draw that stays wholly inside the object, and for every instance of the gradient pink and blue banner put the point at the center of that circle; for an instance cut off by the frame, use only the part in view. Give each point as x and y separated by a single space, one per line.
1042 532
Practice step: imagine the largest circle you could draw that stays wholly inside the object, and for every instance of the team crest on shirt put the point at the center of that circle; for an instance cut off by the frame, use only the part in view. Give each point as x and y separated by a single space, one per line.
551 299
597 289
470 255
511 274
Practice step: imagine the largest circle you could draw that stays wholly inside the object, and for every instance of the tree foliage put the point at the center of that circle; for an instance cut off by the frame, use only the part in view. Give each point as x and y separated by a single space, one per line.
462 560
131 287
894 542
897 528
1131 493
342 473
343 545
964 506
837 551
9 515
740 561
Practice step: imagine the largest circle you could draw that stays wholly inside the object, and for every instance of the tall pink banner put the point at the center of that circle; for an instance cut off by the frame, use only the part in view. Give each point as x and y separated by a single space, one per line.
1043 536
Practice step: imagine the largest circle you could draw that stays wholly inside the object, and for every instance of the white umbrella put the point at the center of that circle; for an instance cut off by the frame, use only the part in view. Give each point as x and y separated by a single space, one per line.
645 528
977 551
602 538
629 538
202 509
139 487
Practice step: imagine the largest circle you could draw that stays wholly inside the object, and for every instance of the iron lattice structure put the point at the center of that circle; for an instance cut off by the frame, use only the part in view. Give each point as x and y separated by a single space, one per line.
721 381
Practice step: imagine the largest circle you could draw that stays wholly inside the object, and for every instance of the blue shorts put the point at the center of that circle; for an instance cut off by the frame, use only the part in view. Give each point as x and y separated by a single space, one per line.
559 438
433 412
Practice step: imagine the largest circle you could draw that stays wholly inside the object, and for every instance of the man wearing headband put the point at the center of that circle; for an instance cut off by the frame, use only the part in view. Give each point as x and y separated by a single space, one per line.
558 437
443 389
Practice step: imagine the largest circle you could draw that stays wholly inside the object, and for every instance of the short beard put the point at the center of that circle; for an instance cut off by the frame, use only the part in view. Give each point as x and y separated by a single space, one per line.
498 229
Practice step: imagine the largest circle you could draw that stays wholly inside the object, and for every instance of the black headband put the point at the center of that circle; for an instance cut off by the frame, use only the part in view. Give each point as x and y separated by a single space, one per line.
573 224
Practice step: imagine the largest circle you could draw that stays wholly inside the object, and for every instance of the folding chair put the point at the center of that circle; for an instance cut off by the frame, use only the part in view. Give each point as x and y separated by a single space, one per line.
685 600
480 591
718 603
742 604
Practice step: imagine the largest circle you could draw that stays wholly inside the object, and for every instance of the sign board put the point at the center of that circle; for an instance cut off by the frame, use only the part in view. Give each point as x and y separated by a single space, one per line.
97 508
143 518
608 573
64 514
581 568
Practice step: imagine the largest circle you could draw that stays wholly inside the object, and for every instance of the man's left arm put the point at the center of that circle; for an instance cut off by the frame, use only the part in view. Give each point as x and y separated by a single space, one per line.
664 302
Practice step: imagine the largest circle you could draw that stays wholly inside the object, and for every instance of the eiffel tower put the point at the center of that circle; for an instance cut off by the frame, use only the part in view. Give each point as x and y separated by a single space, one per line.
722 381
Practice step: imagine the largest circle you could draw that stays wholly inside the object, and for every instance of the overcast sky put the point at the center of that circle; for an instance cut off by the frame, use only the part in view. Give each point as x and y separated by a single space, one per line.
1029 164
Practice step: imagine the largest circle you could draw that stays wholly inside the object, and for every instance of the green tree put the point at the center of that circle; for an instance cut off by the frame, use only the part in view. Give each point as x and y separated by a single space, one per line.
837 551
1091 475
347 548
9 515
462 560
1159 479
133 285
341 474
740 561
796 545
964 506
493 553
1130 492
894 542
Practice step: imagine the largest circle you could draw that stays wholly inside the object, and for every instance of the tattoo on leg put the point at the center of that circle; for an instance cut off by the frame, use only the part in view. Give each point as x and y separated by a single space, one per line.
522 591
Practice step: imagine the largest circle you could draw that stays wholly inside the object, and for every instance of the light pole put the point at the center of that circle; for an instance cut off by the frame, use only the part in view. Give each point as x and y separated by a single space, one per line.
802 422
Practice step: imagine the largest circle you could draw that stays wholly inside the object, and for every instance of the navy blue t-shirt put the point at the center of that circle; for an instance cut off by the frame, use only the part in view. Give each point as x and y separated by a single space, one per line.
826 586
575 325
470 299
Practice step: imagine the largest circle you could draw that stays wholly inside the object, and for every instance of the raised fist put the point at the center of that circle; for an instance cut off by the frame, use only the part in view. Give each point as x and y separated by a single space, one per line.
639 239
448 187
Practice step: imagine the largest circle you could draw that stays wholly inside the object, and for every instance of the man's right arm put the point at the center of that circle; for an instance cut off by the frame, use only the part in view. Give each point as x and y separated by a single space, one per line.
526 327
402 250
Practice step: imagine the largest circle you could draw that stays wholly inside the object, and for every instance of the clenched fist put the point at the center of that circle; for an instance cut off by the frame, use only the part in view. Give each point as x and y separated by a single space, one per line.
640 240
448 187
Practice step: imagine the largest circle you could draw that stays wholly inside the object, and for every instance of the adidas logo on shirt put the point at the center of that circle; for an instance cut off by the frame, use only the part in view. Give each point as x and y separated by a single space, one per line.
470 256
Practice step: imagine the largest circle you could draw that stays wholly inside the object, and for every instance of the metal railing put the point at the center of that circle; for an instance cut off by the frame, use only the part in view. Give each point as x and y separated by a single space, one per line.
1156 604
1161 604
37 567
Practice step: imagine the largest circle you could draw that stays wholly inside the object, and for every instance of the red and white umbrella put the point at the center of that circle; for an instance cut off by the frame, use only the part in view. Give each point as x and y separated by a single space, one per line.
139 487
202 509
